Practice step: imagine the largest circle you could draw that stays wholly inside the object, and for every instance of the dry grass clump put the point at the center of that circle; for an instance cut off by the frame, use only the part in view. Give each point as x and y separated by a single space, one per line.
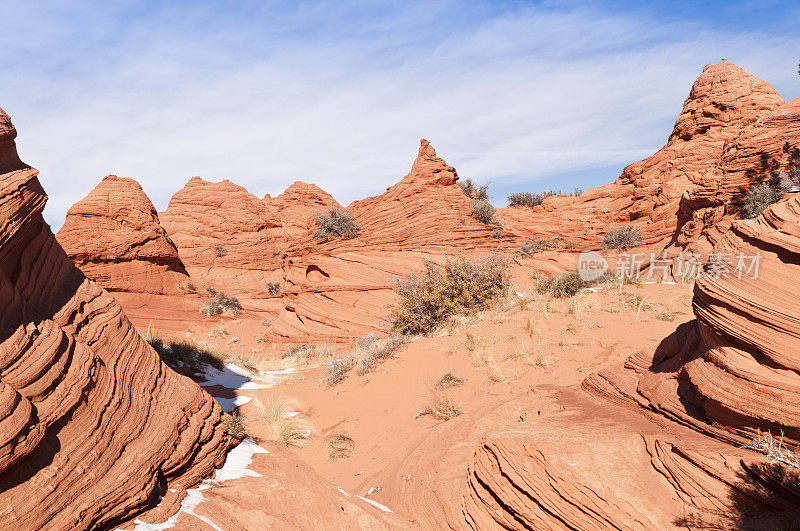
370 351
284 424
441 406
448 381
338 369
458 287
336 223
298 355
497 373
622 238
222 303
247 362
185 356
220 250
341 446
234 426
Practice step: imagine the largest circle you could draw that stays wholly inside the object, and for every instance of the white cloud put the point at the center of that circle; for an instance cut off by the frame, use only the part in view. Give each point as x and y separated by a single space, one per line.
339 96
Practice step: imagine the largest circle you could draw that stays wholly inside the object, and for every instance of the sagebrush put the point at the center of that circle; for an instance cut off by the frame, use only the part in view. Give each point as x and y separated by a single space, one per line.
622 238
470 190
457 287
222 303
336 223
483 211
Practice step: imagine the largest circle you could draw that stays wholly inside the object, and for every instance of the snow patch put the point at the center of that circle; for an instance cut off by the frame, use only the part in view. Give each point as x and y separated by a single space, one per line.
376 504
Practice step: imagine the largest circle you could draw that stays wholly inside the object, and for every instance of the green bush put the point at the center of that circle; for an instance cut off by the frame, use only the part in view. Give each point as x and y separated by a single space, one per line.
222 303
469 189
458 287
337 223
622 238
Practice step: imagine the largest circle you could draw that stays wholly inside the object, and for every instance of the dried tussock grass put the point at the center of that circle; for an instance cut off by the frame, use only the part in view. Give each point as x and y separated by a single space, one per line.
441 406
283 424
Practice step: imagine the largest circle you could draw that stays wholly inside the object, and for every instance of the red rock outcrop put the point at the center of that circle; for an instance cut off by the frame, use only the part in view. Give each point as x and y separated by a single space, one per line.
734 370
93 426
226 236
682 197
297 206
114 236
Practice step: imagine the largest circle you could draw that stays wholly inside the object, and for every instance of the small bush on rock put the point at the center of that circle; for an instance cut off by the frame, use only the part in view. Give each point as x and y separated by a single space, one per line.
483 211
458 287
622 238
222 303
527 199
274 288
469 189
336 223
563 285
221 251
186 357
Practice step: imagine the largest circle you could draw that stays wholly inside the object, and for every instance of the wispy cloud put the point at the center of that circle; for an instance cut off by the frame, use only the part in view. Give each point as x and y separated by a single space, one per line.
339 94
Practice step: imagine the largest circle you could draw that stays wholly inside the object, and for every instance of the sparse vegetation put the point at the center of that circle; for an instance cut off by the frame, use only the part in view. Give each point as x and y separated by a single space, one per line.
441 406
221 251
338 369
189 287
274 288
498 234
447 381
186 357
458 287
336 223
527 199
469 189
211 290
370 350
665 316
483 211
537 245
246 362
767 445
284 423
341 446
622 238
561 285
772 181
234 426
222 303
266 322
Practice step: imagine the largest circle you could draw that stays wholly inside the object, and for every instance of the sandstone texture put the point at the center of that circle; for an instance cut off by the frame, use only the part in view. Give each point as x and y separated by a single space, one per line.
114 236
93 425
297 206
684 196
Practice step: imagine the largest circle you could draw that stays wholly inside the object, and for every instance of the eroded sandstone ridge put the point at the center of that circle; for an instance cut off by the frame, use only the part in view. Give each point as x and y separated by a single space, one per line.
684 196
114 236
92 425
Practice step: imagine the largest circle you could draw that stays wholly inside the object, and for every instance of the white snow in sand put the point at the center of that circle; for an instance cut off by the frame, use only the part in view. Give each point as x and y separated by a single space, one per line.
376 504
235 467
234 377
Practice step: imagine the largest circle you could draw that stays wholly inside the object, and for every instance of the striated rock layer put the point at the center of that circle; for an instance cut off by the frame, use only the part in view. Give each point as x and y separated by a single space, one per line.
734 370
684 196
93 426
114 236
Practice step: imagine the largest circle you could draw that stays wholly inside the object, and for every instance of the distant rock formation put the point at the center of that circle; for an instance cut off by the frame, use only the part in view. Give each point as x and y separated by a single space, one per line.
684 196
114 236
297 206
93 426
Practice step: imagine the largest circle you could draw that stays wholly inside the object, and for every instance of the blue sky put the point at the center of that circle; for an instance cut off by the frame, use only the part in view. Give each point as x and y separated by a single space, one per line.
520 95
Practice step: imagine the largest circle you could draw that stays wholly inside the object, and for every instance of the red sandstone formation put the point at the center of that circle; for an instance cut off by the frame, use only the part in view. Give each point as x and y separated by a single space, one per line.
226 236
93 426
734 370
297 206
114 236
684 196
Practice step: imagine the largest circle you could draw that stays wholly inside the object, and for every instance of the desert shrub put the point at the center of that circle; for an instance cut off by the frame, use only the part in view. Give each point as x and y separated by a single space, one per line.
622 238
458 287
527 199
246 362
483 211
537 245
283 423
447 381
189 287
498 234
371 352
577 192
186 357
341 446
338 369
561 285
775 450
274 288
759 197
211 290
469 189
222 303
234 426
266 322
337 223
221 251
